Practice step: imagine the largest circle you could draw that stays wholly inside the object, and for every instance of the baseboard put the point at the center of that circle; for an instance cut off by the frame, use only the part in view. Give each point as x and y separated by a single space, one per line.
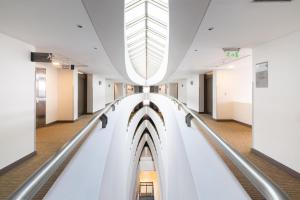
66 121
232 120
276 163
16 163
244 124
59 121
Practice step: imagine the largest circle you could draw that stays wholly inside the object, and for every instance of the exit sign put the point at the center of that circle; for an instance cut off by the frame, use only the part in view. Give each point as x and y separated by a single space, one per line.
232 54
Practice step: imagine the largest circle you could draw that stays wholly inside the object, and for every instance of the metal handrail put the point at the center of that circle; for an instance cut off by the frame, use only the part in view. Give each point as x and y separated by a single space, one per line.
34 183
258 179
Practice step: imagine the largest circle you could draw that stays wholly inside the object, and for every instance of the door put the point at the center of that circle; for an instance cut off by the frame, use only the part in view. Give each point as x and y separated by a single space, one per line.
208 93
40 96
82 94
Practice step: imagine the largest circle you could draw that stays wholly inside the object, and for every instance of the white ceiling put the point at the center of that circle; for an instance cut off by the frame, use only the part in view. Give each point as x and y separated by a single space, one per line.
51 26
107 17
237 23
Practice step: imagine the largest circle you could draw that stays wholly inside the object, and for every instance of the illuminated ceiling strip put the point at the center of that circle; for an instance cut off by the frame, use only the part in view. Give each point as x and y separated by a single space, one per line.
137 49
135 21
137 54
133 5
135 42
154 57
156 42
154 52
135 34
157 33
158 5
155 48
161 3
157 22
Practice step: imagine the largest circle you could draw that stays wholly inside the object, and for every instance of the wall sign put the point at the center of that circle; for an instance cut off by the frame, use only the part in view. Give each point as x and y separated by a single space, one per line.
41 57
261 71
232 52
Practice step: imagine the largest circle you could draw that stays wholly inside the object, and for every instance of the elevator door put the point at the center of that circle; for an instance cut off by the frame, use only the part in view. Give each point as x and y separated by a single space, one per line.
40 97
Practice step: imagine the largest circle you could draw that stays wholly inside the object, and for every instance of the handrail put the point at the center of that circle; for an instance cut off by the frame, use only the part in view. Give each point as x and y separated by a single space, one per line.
258 179
34 183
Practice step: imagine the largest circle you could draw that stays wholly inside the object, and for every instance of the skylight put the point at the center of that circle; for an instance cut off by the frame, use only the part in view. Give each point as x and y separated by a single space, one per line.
146 31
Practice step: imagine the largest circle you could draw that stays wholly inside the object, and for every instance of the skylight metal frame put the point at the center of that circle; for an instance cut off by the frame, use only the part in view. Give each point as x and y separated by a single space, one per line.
146 38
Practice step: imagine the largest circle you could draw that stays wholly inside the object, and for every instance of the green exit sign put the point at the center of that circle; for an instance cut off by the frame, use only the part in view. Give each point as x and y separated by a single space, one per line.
232 54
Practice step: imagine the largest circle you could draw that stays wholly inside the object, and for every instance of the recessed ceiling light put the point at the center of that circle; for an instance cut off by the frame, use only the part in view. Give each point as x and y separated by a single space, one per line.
79 26
211 28
55 63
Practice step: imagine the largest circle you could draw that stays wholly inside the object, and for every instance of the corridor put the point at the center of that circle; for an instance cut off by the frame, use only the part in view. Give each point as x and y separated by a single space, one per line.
49 139
149 100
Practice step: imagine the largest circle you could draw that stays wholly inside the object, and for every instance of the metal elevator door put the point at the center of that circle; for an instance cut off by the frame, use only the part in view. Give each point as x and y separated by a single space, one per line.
40 96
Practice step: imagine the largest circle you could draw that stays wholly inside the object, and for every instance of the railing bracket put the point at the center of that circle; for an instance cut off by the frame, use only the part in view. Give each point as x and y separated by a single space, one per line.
103 119
188 119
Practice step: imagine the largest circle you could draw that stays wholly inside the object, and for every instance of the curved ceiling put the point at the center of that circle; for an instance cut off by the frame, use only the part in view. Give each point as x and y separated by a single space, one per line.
52 26
107 17
237 23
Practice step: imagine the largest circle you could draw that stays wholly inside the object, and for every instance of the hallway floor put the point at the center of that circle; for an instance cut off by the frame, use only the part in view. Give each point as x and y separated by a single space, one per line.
48 140
240 137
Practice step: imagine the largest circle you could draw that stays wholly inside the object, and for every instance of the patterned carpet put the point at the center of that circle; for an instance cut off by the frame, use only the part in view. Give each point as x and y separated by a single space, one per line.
240 137
48 140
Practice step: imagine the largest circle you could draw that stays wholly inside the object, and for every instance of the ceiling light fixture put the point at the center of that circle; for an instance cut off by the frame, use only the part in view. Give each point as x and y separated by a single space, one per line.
55 63
79 26
211 28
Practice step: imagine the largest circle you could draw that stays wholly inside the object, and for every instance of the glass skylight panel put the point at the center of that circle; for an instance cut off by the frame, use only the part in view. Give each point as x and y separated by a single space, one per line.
146 38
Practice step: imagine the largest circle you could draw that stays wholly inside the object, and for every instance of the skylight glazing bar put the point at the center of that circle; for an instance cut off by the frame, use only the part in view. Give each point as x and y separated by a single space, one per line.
132 5
146 36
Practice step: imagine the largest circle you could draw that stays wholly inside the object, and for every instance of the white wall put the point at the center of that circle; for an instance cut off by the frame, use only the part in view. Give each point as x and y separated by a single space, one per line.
118 90
182 91
172 90
162 89
129 89
233 91
96 93
276 121
109 91
17 102
195 92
